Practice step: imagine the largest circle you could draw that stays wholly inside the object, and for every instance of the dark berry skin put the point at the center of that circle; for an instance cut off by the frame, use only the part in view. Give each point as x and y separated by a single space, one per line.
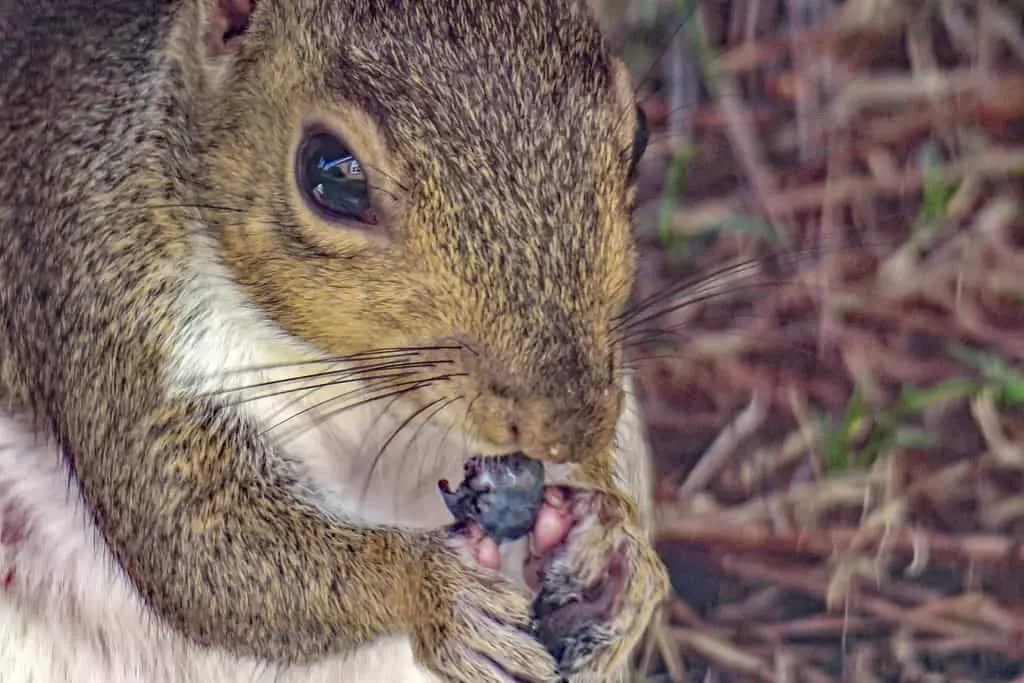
502 494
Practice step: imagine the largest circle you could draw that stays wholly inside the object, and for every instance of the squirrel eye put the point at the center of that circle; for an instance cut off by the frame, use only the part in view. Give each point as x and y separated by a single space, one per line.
333 180
640 138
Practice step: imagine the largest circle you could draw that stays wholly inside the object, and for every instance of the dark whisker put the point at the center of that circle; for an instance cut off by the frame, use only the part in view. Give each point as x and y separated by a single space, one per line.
387 442
362 390
395 395
322 385
674 333
340 373
146 207
325 417
372 429
409 386
696 299
368 384
634 358
415 435
662 51
678 288
444 437
658 306
434 414
721 273
376 354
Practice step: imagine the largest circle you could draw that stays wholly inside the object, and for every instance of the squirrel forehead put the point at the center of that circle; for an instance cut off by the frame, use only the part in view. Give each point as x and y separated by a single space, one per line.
474 63
471 29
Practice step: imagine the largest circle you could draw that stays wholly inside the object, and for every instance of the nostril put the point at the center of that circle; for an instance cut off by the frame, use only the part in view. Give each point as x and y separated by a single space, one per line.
513 429
500 390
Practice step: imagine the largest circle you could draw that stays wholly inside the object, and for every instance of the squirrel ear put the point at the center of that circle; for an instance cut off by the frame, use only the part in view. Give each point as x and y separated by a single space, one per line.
227 25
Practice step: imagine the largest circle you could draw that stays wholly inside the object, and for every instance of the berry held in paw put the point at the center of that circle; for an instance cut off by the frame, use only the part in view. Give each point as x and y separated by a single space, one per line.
502 494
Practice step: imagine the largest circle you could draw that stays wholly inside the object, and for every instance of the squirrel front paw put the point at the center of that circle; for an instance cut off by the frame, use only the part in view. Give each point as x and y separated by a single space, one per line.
598 581
474 626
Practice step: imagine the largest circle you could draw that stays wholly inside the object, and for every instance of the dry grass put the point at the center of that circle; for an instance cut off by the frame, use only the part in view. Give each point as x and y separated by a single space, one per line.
837 399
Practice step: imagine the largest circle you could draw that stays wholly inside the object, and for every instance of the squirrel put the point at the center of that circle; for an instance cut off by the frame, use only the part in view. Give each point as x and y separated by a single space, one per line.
269 269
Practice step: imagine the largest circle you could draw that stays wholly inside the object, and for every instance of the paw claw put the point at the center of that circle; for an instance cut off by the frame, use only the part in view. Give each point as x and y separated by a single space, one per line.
477 624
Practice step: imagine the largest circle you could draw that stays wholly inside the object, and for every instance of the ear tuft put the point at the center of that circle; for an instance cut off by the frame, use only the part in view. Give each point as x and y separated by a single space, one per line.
229 22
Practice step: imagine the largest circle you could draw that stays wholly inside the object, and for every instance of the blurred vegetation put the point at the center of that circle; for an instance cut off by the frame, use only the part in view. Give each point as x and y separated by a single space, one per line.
832 212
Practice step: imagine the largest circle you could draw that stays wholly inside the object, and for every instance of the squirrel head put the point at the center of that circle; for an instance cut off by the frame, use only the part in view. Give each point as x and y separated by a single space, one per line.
455 173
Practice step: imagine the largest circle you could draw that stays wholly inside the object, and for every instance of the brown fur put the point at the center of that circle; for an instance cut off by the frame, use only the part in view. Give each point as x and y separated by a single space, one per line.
496 136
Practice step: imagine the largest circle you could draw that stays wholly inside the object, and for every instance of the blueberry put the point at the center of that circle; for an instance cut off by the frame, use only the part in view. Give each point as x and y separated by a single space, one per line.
502 494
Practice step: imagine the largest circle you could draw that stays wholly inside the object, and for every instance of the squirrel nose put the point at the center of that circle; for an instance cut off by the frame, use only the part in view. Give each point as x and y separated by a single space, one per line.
546 451
548 430
559 431
559 407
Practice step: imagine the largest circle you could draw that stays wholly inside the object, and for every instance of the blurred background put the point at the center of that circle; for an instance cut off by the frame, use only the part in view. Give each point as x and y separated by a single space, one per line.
829 335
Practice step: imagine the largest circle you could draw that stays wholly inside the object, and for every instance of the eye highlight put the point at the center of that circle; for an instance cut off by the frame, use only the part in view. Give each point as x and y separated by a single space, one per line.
640 139
332 180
